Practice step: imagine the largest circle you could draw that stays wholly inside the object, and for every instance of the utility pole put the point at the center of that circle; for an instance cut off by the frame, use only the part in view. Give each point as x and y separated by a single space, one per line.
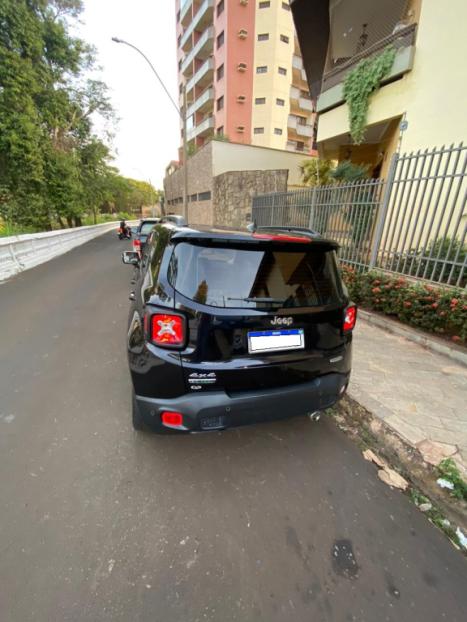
185 159
182 115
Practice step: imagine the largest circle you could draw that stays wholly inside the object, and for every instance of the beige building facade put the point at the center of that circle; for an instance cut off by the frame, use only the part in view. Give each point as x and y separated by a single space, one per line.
240 65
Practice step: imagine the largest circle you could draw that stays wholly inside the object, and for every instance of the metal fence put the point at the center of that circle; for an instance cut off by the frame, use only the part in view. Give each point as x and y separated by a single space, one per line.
414 223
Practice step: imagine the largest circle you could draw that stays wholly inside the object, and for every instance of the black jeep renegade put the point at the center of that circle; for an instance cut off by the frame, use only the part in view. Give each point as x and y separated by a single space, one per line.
228 328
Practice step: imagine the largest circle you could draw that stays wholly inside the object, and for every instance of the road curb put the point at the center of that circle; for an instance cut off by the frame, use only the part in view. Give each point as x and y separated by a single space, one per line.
367 427
455 353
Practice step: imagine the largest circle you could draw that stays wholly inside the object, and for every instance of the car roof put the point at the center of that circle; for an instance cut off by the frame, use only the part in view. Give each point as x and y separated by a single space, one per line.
260 234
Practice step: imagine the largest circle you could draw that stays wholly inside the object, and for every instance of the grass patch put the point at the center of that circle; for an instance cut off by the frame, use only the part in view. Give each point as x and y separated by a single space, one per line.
448 470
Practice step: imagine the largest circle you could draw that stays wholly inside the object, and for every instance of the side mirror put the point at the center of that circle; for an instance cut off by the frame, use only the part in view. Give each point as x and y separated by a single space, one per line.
130 258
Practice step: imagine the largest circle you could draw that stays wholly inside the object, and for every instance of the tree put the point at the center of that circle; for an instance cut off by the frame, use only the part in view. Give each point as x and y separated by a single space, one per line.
316 172
52 166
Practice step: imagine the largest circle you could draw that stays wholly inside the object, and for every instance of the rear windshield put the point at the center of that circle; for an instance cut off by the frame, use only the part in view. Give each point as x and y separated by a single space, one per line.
227 277
147 227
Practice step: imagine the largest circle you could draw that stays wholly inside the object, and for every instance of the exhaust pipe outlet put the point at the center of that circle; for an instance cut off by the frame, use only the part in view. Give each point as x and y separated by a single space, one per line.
316 416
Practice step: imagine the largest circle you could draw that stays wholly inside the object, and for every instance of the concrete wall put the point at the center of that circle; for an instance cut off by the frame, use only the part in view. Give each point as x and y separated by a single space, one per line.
199 180
21 252
235 157
432 95
233 194
272 170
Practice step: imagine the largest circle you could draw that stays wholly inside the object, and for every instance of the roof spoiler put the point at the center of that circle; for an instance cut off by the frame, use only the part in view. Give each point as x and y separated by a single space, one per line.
253 228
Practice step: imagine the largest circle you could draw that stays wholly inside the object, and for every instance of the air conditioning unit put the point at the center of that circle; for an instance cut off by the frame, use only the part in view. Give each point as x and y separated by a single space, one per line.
242 33
241 66
241 99
240 129
244 2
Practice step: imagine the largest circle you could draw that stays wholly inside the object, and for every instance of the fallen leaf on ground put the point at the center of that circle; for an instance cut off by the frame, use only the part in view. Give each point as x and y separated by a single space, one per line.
370 455
391 478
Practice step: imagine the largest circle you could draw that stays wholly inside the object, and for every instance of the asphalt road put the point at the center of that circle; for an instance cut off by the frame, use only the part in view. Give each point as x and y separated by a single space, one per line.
281 522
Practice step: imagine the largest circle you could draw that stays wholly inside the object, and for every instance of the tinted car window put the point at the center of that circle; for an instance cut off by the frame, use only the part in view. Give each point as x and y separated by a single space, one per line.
229 277
147 227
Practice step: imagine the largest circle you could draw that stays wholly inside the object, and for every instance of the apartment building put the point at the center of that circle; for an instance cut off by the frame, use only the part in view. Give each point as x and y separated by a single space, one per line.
240 64
421 102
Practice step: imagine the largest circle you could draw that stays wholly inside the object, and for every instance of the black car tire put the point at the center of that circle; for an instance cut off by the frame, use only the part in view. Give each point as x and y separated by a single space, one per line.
136 417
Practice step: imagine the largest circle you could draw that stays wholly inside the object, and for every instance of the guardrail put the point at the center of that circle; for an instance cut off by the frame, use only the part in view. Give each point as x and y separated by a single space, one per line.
21 252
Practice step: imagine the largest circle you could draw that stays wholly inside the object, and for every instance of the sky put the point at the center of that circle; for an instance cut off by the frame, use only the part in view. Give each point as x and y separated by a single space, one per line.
147 133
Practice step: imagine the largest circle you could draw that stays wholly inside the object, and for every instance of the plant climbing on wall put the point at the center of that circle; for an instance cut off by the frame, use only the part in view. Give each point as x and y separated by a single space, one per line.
359 84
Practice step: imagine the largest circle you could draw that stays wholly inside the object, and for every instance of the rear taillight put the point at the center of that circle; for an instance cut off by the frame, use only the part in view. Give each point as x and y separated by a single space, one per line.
167 330
136 245
350 318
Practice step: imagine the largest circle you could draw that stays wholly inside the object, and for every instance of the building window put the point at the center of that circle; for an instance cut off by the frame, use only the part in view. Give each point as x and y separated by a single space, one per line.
220 131
263 37
193 197
300 145
204 196
278 131
179 40
301 120
280 102
179 64
264 5
220 72
283 71
260 100
284 39
258 130
262 69
178 16
180 88
286 6
220 103
220 40
220 8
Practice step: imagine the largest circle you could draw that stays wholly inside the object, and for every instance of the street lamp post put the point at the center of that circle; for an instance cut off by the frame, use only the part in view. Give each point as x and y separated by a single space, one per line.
182 115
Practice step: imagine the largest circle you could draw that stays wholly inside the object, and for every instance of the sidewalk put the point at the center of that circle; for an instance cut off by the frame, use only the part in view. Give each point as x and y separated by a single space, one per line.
421 395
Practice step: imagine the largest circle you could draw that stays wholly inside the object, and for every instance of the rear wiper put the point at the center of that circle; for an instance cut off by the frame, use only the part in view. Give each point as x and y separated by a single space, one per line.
279 301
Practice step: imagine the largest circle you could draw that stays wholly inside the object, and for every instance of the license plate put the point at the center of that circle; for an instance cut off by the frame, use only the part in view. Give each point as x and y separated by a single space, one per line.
276 340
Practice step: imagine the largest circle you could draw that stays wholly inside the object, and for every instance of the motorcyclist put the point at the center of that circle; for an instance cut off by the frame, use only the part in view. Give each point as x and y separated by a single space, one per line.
124 228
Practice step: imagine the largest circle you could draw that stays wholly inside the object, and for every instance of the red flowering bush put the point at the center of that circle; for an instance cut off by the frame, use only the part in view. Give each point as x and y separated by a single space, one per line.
436 310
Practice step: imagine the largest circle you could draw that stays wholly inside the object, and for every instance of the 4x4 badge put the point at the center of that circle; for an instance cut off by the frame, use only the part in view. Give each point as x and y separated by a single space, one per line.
282 321
209 378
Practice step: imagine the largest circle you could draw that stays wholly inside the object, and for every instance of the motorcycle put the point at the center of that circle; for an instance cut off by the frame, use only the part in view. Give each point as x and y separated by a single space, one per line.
124 233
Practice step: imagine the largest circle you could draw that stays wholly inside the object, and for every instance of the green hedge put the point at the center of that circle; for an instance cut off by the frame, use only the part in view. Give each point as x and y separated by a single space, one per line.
434 309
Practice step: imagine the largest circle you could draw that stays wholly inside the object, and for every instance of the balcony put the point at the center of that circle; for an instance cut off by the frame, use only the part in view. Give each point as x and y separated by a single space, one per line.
185 12
203 103
333 81
293 145
297 62
294 93
302 129
305 104
202 50
298 71
202 77
201 20
202 129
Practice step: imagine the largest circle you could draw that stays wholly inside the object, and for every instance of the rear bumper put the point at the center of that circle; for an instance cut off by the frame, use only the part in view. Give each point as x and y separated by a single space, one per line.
217 410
